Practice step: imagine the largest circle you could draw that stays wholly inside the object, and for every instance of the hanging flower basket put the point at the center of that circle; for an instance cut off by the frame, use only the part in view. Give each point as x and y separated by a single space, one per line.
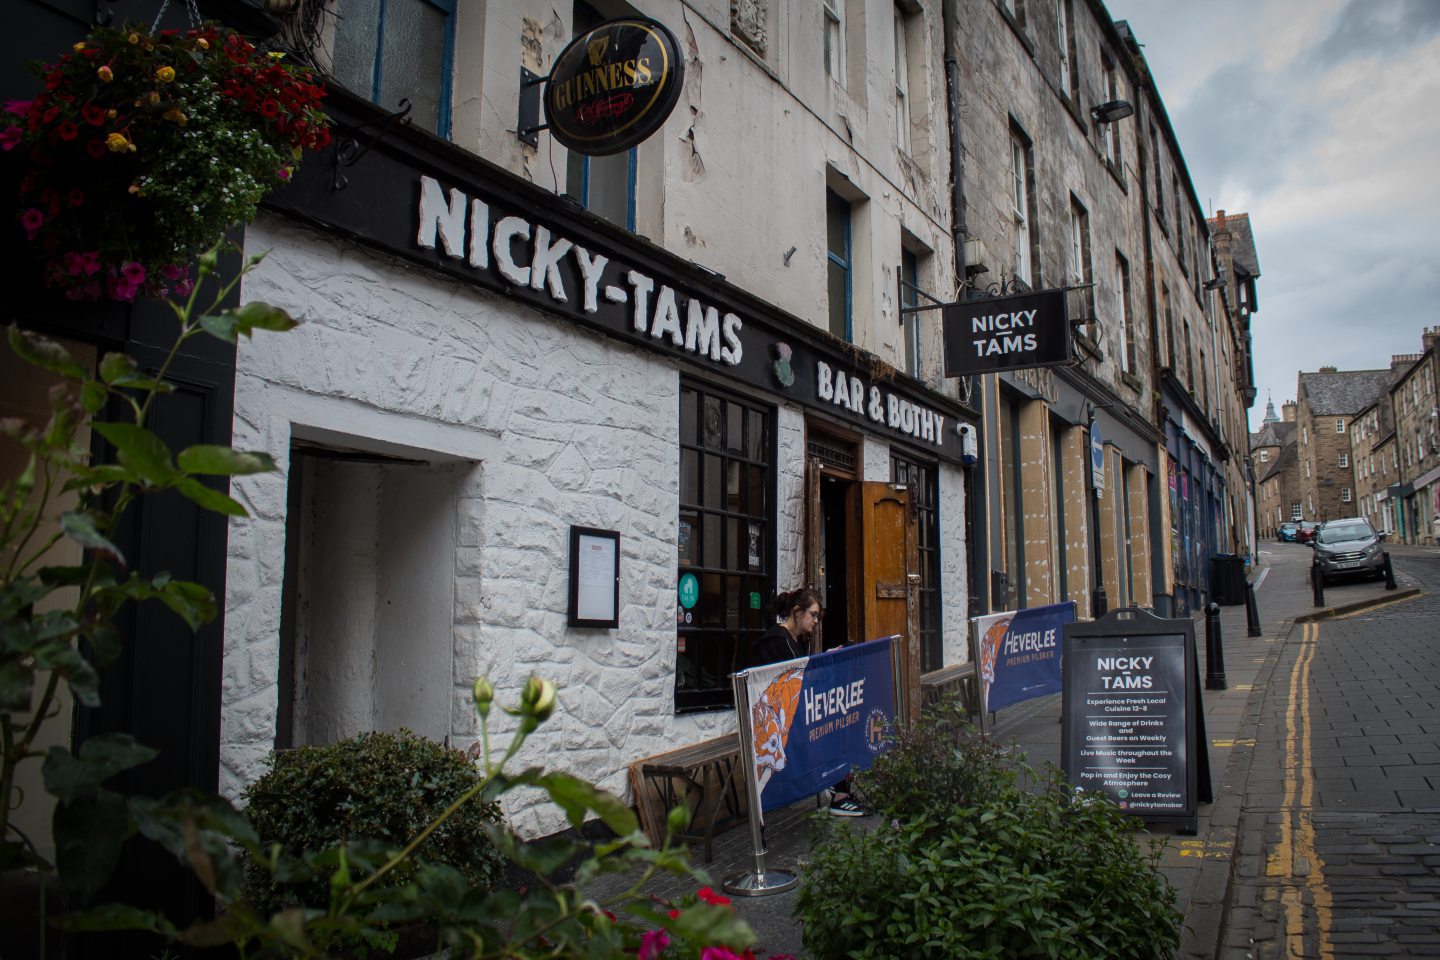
143 150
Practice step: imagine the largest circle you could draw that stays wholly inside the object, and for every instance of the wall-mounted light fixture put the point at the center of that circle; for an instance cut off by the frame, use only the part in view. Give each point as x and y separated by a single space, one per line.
1112 111
1214 283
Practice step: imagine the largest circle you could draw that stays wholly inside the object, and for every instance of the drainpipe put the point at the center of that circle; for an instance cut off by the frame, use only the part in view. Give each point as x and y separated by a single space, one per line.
976 532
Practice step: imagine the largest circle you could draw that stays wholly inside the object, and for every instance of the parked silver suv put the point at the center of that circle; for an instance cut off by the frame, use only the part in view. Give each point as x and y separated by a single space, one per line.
1348 547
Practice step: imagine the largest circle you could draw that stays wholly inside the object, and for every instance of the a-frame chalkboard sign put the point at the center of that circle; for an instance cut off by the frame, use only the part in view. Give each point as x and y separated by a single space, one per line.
1133 725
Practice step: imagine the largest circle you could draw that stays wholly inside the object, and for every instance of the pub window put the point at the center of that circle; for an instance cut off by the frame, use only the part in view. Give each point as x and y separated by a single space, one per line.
838 264
1012 487
1069 81
1080 269
910 322
1021 207
725 542
902 78
835 39
921 480
1129 361
603 185
1111 134
393 50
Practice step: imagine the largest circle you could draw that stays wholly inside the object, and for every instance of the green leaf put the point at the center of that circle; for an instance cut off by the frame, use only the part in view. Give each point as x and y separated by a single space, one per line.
709 924
209 498
231 926
244 321
223 461
192 602
44 353
111 917
141 451
17 685
92 397
88 837
70 778
81 527
115 367
576 797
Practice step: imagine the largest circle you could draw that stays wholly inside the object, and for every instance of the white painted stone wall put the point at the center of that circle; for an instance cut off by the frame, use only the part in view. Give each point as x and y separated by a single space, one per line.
548 428
736 178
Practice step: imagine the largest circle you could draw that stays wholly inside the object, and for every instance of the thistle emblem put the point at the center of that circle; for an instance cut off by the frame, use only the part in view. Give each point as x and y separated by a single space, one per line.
784 373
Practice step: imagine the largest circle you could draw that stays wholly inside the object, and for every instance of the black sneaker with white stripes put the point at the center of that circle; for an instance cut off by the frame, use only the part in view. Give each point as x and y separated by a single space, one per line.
846 807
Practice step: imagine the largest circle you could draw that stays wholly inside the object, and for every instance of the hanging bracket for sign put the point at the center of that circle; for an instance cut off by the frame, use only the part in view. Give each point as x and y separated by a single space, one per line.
527 124
610 88
901 285
348 150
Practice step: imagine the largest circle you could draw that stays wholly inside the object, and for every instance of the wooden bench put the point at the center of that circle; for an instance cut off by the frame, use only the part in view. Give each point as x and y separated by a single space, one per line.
709 772
959 678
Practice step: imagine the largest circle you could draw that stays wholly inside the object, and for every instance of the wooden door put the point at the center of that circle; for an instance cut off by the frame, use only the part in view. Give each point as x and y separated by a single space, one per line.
891 579
813 557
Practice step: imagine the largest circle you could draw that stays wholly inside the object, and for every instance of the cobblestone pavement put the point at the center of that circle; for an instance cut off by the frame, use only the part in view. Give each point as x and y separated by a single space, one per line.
1338 850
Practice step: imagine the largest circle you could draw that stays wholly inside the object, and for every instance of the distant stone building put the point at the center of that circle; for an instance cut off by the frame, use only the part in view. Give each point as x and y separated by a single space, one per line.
1277 471
1327 401
1373 454
1417 446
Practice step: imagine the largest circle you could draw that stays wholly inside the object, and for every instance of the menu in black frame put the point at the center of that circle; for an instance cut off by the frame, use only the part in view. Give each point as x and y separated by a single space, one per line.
1129 721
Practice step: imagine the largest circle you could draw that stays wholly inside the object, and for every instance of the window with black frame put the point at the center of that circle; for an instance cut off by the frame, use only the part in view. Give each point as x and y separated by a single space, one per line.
725 541
393 50
921 480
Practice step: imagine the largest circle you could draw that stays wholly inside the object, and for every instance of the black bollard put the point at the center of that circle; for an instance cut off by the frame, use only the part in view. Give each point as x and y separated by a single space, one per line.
1389 573
1252 611
1102 603
1317 582
1214 650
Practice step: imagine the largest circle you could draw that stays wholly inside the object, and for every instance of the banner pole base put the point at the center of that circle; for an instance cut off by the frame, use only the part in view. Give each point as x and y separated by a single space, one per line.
764 884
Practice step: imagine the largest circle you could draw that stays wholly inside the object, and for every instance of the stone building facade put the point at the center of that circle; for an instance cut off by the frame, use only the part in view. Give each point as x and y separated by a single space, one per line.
695 344
1273 457
1415 405
1327 402
1373 452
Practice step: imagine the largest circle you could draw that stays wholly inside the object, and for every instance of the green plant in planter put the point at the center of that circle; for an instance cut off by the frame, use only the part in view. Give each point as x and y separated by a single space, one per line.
382 787
985 867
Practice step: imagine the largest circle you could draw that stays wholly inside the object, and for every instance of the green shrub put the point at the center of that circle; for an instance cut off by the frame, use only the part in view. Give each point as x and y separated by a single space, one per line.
967 863
940 759
373 791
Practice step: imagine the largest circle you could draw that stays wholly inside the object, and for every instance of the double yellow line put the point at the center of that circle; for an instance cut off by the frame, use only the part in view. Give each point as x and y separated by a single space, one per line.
1294 862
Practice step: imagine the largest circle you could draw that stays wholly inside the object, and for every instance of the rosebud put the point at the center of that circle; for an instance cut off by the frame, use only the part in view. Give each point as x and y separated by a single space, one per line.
538 698
678 820
165 74
105 74
208 261
484 694
79 46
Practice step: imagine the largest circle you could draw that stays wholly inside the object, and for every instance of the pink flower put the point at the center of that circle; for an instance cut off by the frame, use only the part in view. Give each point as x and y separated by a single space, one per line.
31 220
90 262
183 288
19 108
74 263
718 953
133 273
173 271
92 290
121 289
652 942
711 897
9 137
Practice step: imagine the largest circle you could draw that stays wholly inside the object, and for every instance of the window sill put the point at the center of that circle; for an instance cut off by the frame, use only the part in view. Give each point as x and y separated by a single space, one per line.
1130 380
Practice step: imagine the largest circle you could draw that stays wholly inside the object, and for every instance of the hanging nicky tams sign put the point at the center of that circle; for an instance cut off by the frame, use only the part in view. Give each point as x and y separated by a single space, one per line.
1005 333
816 718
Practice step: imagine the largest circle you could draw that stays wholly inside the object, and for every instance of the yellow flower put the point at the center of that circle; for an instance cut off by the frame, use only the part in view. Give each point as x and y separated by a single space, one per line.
154 98
133 38
79 46
276 54
118 143
202 43
165 74
105 74
112 113
174 116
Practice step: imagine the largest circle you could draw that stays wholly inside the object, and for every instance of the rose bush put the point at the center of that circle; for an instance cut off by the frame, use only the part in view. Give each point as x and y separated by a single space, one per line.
141 150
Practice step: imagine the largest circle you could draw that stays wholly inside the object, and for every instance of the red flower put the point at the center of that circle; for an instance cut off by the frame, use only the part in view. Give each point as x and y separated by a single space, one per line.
711 897
76 196
67 130
95 116
9 137
96 149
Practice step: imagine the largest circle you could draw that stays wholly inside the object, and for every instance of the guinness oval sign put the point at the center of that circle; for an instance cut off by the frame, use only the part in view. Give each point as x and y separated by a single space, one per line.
614 86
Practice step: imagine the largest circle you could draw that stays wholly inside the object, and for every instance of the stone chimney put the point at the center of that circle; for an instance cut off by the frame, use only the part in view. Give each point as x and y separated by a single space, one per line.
1287 411
1400 362
1428 337
1328 370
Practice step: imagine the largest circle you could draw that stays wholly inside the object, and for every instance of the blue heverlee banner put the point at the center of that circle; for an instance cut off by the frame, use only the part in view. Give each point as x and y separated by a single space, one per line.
815 718
1020 653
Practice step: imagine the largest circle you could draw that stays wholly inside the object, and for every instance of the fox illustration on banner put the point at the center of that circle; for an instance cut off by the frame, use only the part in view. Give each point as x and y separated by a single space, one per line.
1020 653
816 718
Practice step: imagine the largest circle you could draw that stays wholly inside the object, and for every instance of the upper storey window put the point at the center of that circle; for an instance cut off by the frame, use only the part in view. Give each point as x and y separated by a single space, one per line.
393 50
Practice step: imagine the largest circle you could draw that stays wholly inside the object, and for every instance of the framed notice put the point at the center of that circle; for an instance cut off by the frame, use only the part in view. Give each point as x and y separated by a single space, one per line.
1130 708
594 577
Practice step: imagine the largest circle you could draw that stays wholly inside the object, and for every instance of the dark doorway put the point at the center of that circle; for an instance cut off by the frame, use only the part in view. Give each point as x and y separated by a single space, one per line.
836 507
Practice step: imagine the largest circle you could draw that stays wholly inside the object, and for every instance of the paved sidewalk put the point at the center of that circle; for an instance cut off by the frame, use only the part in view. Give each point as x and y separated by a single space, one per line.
1198 866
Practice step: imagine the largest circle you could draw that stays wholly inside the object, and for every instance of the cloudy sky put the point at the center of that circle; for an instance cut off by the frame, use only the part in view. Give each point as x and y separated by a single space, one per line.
1321 119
